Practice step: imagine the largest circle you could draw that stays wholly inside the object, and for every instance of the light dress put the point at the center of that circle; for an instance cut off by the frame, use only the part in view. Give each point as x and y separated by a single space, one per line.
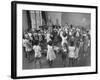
64 39
25 41
76 53
77 34
37 50
50 53
27 45
71 52
30 35
48 37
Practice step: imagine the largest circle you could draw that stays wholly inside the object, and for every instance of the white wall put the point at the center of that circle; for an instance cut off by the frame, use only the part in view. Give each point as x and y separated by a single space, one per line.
54 16
5 40
83 19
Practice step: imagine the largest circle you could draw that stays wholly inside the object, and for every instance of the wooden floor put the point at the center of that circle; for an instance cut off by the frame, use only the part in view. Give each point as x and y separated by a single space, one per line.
84 60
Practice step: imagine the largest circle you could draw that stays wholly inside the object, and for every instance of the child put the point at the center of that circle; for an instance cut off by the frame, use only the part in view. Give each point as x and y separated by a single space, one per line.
71 54
27 46
30 36
50 53
25 41
64 38
64 54
40 37
48 37
77 48
37 50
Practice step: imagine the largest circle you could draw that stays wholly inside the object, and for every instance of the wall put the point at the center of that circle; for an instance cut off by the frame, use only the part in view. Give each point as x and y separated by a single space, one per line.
54 16
82 19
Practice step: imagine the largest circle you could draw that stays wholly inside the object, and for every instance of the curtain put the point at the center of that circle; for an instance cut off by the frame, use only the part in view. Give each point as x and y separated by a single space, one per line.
36 19
29 20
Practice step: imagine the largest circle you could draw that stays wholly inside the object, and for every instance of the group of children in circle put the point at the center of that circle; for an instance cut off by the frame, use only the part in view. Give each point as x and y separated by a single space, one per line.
66 40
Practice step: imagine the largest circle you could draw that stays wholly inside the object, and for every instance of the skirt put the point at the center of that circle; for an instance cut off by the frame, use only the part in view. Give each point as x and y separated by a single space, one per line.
51 55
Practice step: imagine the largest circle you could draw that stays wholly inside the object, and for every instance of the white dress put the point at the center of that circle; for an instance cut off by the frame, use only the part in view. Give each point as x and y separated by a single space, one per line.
77 34
37 50
25 41
48 37
30 35
76 53
64 39
27 45
71 52
66 30
50 53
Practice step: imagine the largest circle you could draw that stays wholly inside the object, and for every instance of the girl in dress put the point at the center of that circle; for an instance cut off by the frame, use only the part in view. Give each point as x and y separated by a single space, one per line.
77 48
64 38
48 37
37 50
71 54
64 54
40 37
27 46
30 36
50 53
25 40
24 46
